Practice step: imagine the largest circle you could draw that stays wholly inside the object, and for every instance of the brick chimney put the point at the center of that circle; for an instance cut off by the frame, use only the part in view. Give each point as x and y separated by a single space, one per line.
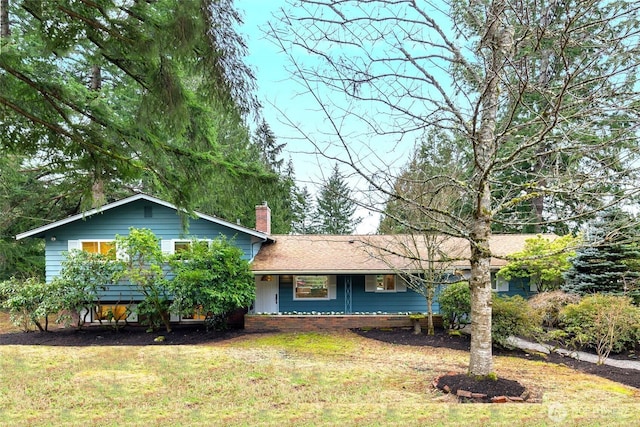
263 218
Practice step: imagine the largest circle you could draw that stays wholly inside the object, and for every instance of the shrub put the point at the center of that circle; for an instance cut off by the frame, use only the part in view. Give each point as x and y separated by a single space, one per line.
76 289
547 305
455 305
213 277
512 316
605 323
142 266
26 302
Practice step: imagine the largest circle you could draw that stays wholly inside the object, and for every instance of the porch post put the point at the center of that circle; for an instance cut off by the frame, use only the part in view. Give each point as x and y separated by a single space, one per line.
347 294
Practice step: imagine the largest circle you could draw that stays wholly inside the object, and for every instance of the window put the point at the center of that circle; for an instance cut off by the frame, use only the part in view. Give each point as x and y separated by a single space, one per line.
498 284
197 314
111 312
179 246
104 247
385 282
311 287
175 246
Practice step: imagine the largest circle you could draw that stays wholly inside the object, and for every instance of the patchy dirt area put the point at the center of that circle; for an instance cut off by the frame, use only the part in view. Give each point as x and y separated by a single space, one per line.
196 334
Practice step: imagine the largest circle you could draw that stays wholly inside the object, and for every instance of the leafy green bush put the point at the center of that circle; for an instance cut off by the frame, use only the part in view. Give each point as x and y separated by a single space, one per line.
213 277
605 323
82 276
548 305
512 316
455 305
26 302
142 266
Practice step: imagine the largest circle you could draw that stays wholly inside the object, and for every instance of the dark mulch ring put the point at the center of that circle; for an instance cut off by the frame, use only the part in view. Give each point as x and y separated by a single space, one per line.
630 377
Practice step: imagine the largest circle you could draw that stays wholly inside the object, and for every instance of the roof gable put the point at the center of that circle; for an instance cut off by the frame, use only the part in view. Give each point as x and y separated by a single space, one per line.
36 232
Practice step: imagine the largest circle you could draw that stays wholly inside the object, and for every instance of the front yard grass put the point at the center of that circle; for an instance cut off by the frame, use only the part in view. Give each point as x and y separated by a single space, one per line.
286 379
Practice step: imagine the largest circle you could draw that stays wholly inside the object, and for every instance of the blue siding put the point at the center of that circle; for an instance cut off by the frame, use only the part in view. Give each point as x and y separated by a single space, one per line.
361 301
370 302
164 222
519 286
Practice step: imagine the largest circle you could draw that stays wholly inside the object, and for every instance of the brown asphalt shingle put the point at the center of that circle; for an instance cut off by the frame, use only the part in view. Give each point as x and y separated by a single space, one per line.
371 253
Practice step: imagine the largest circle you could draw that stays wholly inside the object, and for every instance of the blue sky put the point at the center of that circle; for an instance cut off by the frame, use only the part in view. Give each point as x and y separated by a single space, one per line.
284 101
279 95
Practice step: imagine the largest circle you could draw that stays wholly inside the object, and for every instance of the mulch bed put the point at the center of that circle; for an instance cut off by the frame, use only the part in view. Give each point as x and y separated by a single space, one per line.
129 335
196 334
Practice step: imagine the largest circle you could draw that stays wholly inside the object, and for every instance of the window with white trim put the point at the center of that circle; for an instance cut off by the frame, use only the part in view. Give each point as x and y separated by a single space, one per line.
499 284
384 283
103 247
314 287
175 246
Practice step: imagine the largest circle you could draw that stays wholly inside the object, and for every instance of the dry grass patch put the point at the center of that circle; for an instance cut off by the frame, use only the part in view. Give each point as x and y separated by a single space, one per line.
281 380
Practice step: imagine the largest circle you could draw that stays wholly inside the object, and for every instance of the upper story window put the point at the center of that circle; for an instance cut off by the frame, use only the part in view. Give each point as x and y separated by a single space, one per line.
175 246
104 247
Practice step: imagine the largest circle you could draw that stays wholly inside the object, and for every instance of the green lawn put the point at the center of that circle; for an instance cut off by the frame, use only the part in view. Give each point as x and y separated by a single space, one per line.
285 379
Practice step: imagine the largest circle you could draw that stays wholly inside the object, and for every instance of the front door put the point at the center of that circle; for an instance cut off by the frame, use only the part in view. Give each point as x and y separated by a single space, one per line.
267 295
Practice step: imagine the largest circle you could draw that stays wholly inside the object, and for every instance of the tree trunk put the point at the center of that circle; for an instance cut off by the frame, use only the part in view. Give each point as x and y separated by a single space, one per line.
481 357
430 328
496 45
5 31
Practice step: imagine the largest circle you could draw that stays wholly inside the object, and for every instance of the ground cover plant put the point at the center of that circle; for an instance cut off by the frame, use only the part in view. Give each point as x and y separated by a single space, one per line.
101 377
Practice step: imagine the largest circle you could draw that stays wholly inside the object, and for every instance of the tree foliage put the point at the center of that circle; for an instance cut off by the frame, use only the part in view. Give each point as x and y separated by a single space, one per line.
608 262
75 291
512 316
605 323
335 208
123 90
212 277
455 305
303 211
26 301
543 261
143 266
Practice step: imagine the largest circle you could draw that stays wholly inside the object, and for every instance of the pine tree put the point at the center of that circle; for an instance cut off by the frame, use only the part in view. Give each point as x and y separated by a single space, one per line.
608 264
335 206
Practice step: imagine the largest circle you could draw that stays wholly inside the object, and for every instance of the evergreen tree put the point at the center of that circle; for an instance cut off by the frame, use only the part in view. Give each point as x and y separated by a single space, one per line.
303 212
335 207
268 148
428 188
234 197
114 93
608 263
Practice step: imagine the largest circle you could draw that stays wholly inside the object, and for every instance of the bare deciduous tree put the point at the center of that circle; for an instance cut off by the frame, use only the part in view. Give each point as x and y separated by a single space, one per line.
543 95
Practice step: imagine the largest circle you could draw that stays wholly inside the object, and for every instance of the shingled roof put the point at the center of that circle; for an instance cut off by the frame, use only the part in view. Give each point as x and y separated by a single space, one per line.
327 254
